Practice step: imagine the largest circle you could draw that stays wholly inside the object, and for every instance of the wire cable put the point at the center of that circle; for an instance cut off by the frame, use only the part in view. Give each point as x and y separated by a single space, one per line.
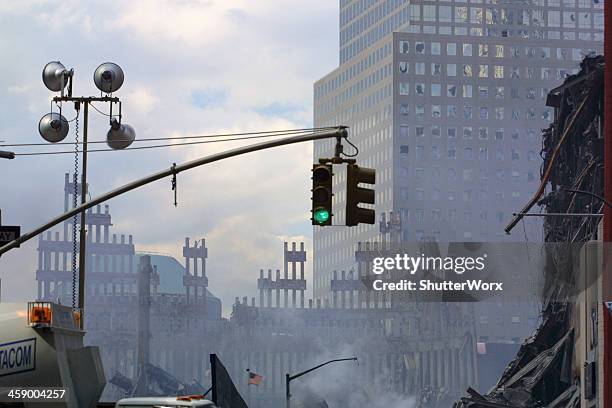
157 146
75 179
98 110
354 147
269 132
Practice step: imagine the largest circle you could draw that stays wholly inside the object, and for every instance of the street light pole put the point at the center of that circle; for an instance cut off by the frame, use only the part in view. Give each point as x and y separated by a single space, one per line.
340 131
289 378
85 101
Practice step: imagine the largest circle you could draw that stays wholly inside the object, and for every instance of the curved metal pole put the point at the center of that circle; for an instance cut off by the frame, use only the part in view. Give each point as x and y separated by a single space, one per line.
600 198
288 377
339 132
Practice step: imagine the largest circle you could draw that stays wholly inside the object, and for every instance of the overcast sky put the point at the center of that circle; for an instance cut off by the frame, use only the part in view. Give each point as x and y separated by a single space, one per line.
191 67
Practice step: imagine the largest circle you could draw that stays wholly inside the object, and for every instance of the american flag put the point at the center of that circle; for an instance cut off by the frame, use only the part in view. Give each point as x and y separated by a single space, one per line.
255 378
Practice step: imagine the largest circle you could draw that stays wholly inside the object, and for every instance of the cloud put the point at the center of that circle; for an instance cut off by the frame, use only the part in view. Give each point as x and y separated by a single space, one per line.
142 99
192 68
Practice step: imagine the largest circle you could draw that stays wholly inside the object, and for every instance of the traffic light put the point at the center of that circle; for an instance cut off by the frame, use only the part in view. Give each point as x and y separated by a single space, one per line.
322 194
356 195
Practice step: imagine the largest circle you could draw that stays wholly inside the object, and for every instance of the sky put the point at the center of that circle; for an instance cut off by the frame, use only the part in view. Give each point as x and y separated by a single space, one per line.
191 67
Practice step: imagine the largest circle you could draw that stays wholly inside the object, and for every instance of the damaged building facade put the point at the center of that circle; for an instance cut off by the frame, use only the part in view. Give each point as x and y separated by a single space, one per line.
156 323
560 365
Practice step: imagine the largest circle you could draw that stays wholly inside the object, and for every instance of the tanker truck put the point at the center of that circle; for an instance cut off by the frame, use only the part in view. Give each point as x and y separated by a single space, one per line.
43 359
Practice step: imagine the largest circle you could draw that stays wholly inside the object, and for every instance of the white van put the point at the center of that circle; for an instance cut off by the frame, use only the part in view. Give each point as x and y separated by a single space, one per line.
165 402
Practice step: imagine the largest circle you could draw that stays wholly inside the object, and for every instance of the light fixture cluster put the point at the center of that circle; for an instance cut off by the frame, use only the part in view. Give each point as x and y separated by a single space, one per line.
108 78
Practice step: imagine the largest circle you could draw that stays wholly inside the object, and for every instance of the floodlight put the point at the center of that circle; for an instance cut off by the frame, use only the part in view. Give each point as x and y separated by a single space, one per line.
120 135
53 76
108 77
53 127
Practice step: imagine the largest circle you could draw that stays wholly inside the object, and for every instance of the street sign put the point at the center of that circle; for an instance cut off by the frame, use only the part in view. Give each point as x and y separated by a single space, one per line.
9 233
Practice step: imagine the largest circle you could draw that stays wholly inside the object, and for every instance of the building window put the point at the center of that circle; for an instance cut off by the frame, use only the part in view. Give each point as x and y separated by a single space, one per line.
451 133
451 49
467 132
467 50
436 69
483 71
451 90
404 131
404 47
420 131
451 70
435 152
419 47
404 109
403 67
435 131
484 112
483 133
451 111
445 14
467 112
499 72
483 91
435 48
436 111
436 90
554 18
404 88
531 114
467 70
429 13
499 113
461 14
419 68
530 176
420 111
499 92
499 134
419 152
404 149
499 51
419 88
531 155
531 93
467 91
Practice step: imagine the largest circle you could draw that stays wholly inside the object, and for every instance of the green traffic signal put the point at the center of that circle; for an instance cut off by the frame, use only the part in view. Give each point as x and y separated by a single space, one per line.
322 193
320 215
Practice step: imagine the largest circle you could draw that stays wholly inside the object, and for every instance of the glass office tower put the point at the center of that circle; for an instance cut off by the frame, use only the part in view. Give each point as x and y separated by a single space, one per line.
446 100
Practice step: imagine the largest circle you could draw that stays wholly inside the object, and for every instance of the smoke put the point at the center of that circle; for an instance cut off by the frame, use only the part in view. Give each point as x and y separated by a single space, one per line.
347 384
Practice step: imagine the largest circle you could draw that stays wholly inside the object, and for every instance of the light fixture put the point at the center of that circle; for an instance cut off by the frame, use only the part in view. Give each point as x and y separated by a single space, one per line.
108 77
120 135
54 76
53 127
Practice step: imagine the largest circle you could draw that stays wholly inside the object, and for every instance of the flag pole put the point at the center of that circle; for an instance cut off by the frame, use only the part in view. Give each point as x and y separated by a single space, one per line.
248 370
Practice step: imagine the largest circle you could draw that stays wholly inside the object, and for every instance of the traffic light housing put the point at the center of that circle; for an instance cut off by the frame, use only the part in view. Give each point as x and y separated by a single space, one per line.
322 194
356 195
